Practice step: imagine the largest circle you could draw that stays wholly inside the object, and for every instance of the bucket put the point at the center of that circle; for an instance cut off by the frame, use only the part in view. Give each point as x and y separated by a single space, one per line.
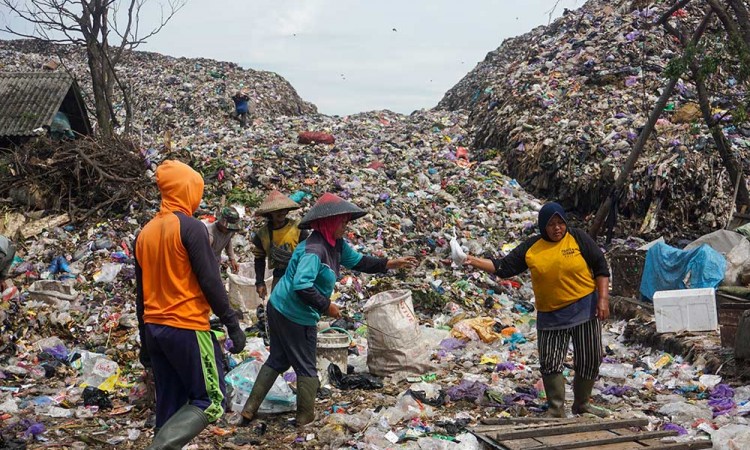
334 348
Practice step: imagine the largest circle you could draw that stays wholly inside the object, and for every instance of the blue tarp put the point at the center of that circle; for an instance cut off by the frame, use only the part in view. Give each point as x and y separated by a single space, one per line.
667 268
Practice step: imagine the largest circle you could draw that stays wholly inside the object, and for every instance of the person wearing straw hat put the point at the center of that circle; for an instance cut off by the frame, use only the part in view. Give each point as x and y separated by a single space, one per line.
276 239
220 235
303 295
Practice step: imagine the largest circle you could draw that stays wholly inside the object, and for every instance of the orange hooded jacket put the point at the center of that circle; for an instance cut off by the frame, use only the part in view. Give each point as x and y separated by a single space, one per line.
177 277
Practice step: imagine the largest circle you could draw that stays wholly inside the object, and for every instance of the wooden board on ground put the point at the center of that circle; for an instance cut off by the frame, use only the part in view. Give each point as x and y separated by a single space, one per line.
559 434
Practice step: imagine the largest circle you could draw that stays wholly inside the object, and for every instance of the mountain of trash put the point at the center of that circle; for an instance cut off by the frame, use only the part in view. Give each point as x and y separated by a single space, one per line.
167 93
69 371
562 106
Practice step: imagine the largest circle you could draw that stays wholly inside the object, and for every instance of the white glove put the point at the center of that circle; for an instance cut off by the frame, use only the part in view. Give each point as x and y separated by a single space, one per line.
457 253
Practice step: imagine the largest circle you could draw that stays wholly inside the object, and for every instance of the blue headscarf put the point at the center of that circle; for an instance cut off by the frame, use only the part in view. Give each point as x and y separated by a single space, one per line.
546 213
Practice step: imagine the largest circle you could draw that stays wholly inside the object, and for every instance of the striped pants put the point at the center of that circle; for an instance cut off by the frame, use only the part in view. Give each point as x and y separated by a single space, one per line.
587 349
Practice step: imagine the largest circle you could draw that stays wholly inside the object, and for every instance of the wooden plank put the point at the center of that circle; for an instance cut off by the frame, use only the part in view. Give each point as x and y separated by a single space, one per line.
596 439
573 438
553 430
514 420
655 444
521 444
535 425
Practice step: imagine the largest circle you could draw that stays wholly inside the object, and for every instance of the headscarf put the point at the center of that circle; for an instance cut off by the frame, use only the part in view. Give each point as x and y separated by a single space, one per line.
327 226
548 211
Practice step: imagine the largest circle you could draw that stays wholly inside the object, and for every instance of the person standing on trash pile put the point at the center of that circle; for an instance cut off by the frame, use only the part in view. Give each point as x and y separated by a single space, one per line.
303 295
570 279
7 254
276 239
220 234
241 107
177 285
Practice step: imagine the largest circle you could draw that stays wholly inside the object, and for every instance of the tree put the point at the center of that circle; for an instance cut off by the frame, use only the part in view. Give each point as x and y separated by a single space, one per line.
106 29
701 63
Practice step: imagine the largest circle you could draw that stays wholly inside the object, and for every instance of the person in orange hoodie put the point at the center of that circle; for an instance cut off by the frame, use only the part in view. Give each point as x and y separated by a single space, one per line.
178 284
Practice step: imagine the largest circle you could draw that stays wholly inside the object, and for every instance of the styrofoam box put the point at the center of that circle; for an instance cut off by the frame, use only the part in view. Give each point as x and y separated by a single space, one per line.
685 310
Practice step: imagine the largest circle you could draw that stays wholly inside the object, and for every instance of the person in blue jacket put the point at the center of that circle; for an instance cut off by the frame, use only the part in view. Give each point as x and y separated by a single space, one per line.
241 107
303 295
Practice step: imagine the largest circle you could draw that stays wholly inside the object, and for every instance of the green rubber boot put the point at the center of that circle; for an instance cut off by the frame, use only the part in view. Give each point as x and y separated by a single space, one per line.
582 398
554 388
181 428
307 388
266 377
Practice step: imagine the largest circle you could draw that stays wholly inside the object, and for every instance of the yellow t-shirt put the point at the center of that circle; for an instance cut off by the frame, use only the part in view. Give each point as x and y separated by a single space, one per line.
559 273
285 238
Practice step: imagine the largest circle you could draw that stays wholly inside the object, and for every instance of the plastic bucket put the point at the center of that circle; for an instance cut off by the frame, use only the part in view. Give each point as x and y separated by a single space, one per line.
333 347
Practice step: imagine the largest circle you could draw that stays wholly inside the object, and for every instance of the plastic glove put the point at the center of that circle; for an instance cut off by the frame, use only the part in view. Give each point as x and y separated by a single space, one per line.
238 338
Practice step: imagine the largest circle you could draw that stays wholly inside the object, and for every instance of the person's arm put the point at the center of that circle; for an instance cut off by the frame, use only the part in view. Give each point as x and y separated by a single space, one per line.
230 254
303 284
480 263
353 260
206 268
513 264
260 259
591 253
602 304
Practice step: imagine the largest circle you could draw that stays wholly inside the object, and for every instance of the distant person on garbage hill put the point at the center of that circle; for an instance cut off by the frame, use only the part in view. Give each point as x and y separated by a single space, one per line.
303 295
177 285
241 107
570 279
7 253
220 233
276 239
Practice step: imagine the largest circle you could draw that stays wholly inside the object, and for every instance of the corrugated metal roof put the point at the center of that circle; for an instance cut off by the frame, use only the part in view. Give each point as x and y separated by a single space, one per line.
29 101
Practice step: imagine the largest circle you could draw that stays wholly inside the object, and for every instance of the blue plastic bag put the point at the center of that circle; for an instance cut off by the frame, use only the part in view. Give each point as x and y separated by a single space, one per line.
669 268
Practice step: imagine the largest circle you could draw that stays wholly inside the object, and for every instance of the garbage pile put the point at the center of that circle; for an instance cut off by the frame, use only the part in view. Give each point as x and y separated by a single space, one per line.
69 371
562 107
190 94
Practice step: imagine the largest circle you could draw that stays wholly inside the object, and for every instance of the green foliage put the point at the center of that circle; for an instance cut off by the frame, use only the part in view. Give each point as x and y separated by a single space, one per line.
739 115
212 166
244 197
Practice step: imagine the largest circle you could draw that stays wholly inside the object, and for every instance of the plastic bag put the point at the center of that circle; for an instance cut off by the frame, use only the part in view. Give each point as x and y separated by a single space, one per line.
107 273
242 378
457 253
667 268
98 371
358 381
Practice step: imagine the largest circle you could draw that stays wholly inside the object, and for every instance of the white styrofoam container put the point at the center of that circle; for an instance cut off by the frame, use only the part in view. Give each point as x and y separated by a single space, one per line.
685 310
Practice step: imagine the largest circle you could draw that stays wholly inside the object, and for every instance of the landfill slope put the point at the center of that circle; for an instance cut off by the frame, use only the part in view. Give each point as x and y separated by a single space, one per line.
167 93
562 106
70 321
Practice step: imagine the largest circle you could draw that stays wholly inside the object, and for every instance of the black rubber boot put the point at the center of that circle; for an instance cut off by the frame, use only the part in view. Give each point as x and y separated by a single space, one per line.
307 388
181 428
554 388
582 398
266 377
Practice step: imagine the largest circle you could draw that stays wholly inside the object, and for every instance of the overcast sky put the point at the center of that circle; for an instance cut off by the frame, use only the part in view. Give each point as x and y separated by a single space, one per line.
348 56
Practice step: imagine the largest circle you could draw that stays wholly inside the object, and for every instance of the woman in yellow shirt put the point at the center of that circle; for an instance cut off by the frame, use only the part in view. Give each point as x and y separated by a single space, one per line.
570 279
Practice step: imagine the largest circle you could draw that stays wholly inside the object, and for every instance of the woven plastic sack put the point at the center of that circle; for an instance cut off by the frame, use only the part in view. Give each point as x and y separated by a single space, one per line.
394 340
